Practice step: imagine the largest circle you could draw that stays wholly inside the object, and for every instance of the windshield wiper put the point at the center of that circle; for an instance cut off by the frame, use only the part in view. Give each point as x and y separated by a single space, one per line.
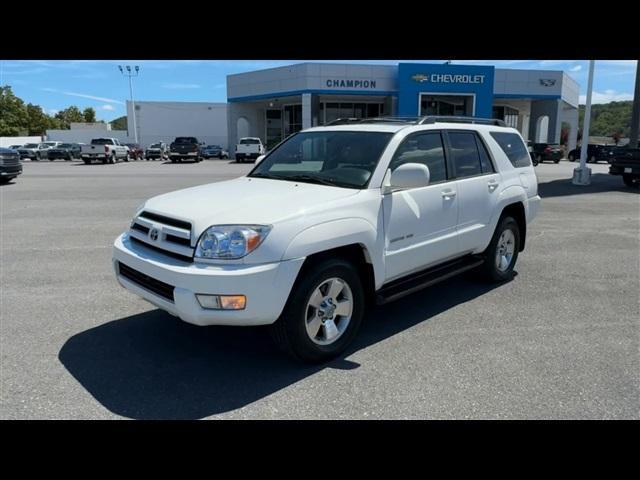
264 175
310 179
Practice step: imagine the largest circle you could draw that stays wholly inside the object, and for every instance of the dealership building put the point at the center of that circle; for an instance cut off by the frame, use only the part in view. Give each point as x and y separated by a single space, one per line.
274 103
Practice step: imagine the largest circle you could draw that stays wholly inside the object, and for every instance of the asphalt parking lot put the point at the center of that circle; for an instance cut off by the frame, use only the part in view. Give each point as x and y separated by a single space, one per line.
560 341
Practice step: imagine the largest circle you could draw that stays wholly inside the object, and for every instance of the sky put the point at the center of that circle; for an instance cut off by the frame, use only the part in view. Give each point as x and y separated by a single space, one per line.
57 84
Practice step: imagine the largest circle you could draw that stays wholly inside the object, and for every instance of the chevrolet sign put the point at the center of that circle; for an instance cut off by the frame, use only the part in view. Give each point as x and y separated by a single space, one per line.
447 78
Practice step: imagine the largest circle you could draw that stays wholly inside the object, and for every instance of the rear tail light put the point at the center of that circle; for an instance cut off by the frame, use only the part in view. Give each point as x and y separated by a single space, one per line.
106 149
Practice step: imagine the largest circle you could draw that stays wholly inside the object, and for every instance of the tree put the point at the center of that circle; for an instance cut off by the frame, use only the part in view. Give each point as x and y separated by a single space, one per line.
89 115
38 122
69 115
119 123
13 114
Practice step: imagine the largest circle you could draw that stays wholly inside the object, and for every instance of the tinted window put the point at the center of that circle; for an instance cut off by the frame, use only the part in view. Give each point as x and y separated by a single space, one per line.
424 148
186 140
513 147
485 160
102 141
339 158
31 145
249 141
465 156
65 145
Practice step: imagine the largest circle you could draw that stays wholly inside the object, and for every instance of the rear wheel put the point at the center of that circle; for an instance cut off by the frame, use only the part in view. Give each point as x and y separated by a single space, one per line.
502 253
556 161
572 157
323 313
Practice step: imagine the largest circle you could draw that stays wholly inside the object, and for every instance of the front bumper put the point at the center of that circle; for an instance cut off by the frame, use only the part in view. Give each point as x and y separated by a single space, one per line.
10 170
266 286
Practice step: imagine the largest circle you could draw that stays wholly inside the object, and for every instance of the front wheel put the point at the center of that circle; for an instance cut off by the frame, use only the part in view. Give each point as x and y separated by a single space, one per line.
502 253
572 157
323 313
631 181
556 161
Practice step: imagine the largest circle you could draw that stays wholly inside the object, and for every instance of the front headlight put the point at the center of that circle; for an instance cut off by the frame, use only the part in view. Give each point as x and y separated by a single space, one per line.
230 241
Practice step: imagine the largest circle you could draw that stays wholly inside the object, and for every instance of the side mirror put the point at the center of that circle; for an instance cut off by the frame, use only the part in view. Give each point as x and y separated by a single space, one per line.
260 158
409 175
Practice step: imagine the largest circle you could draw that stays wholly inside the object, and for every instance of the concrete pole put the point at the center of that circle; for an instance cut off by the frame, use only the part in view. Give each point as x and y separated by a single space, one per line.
635 113
582 174
133 108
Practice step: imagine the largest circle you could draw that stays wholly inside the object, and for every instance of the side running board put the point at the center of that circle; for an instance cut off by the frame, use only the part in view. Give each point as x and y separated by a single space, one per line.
425 278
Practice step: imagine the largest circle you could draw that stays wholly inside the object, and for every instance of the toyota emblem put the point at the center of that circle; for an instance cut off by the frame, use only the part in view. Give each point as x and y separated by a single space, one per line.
153 234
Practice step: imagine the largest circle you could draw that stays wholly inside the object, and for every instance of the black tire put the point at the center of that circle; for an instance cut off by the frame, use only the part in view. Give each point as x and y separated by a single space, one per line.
631 181
173 160
572 158
539 158
289 331
556 161
70 158
489 268
86 161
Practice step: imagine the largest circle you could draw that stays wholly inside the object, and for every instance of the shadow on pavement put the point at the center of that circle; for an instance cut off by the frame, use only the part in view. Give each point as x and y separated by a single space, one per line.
152 365
600 182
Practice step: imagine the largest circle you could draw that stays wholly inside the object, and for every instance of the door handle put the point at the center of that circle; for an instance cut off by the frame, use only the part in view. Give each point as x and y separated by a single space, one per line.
493 185
448 194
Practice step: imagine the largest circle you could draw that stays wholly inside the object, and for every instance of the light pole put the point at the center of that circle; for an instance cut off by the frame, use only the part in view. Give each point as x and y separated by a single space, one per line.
131 73
582 174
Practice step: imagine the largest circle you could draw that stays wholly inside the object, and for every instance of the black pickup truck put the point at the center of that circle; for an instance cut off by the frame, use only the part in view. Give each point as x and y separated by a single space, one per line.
185 148
625 161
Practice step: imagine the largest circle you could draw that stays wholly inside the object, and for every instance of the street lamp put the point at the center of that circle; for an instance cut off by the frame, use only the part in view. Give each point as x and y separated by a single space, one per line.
130 74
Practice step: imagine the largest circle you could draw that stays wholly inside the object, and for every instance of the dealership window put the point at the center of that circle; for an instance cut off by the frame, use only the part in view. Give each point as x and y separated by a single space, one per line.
508 114
330 111
449 105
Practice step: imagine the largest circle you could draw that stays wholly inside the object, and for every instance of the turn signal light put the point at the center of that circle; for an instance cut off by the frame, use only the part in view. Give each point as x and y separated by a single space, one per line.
222 302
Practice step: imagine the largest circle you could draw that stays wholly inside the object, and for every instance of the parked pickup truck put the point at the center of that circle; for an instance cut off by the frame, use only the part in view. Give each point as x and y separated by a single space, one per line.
10 164
249 148
185 148
333 219
625 161
107 150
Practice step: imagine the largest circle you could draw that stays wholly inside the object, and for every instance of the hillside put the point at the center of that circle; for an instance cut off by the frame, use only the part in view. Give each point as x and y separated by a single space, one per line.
609 118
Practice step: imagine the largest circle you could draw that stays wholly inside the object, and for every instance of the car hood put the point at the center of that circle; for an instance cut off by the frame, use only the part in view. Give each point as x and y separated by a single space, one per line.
246 201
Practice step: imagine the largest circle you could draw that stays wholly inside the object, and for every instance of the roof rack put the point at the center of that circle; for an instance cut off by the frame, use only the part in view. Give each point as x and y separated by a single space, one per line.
442 119
344 121
391 120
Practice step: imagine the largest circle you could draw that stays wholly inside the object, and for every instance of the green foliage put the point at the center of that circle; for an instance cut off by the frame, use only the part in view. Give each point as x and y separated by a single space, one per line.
14 118
89 115
119 123
18 118
608 119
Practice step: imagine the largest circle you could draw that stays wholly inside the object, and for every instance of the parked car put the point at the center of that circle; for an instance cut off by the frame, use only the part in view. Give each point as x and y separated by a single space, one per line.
185 148
595 153
625 161
299 244
547 151
214 151
107 150
10 164
14 147
28 150
135 151
66 151
42 152
534 157
249 148
156 150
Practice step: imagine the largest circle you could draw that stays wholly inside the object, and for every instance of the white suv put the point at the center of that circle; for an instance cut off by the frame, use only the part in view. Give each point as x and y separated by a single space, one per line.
332 218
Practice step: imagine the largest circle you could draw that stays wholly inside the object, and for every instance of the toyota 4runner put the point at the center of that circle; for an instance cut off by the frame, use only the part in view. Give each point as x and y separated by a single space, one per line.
333 218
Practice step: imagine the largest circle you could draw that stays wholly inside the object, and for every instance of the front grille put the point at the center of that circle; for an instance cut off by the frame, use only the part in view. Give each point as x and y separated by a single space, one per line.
145 281
140 228
11 161
169 253
166 220
181 241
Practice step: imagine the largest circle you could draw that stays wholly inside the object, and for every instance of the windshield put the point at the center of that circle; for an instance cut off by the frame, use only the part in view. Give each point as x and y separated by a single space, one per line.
49 144
249 141
30 145
65 145
339 158
101 141
186 140
154 145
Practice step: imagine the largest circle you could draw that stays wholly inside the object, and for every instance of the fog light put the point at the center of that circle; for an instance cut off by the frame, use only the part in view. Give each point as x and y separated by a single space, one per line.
222 302
233 302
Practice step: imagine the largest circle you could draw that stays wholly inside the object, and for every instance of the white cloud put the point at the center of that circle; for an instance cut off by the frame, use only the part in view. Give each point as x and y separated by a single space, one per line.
107 107
181 86
220 85
83 95
52 111
606 97
577 68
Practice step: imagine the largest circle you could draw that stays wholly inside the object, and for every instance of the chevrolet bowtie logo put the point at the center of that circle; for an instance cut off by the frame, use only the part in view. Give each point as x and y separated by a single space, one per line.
419 77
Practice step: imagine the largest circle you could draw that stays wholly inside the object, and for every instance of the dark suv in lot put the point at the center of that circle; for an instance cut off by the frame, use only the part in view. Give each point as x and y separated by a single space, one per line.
66 151
185 148
595 153
10 164
547 151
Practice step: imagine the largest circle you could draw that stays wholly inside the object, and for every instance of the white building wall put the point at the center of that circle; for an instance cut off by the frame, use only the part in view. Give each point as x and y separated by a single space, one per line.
6 141
85 135
164 121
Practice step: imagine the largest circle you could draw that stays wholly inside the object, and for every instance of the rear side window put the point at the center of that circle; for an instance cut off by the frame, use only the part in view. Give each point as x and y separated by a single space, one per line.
511 144
183 140
464 150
